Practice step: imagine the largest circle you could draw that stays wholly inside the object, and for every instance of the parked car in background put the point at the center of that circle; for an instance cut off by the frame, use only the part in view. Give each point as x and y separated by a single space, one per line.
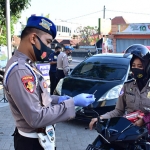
102 74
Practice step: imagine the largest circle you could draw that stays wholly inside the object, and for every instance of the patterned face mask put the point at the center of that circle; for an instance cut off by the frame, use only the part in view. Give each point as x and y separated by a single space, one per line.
43 53
138 73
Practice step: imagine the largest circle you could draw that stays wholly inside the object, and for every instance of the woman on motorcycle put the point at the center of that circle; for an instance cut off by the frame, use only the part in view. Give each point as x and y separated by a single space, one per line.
135 94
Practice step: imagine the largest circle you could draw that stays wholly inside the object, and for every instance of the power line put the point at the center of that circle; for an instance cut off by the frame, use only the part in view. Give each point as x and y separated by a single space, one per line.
127 12
84 15
108 10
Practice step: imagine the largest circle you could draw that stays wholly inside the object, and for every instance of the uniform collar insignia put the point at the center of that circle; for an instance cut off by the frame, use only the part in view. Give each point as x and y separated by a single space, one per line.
45 24
35 70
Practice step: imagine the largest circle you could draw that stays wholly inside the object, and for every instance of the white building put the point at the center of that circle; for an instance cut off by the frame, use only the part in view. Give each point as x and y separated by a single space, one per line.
65 30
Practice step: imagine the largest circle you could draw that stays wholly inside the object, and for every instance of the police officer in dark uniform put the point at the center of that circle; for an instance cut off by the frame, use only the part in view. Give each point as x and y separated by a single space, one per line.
53 67
34 110
135 94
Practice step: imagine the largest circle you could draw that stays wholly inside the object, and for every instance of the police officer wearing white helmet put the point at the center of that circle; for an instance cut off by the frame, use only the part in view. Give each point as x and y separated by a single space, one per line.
135 94
34 110
62 63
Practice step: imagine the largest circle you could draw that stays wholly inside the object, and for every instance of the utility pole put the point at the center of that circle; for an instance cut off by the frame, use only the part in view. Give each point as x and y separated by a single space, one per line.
104 12
8 28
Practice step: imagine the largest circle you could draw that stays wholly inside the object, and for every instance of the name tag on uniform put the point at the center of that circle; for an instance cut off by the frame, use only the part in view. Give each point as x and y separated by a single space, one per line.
55 57
130 93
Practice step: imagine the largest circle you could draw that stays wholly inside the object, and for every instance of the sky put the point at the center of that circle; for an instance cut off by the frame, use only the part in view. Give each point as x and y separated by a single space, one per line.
87 12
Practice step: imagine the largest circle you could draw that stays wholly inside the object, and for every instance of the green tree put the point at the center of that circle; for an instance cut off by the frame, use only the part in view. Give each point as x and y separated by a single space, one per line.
16 6
86 34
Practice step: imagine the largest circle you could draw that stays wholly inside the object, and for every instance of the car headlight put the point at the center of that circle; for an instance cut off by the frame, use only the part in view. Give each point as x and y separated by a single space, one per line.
111 94
59 86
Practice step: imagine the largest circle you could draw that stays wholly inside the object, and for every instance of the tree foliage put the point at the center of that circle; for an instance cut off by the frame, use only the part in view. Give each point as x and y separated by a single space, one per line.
86 34
16 6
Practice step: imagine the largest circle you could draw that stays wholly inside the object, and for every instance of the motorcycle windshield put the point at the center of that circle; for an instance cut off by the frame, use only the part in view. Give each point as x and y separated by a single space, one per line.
119 128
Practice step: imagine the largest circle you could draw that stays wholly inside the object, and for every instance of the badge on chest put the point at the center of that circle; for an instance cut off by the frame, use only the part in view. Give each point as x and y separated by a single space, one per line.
148 95
44 85
55 57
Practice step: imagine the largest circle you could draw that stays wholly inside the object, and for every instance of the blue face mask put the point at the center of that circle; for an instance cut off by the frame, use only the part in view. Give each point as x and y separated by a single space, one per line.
42 53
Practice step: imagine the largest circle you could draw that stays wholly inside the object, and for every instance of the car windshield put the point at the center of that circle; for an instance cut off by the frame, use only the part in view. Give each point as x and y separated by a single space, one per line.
102 68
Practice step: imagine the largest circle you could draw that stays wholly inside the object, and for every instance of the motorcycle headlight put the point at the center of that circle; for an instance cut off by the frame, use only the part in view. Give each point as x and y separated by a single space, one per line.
111 94
59 86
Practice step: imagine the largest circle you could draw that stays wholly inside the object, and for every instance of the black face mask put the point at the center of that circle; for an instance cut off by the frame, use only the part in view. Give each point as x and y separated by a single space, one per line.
43 53
69 54
57 53
138 73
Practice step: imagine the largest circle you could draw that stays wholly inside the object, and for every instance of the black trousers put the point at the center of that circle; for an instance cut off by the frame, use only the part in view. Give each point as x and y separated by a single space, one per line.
24 143
60 74
53 81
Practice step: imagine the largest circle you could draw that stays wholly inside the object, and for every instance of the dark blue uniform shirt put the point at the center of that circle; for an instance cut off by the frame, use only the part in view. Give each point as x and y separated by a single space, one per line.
53 57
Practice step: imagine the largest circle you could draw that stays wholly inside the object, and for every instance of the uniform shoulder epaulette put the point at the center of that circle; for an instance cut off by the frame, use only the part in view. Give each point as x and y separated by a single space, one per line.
131 80
10 68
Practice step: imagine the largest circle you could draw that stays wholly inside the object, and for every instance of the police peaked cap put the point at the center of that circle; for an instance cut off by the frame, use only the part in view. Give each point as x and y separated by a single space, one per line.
68 48
43 24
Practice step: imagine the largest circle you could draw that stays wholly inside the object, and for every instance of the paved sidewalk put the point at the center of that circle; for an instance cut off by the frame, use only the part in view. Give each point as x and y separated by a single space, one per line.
70 135
6 129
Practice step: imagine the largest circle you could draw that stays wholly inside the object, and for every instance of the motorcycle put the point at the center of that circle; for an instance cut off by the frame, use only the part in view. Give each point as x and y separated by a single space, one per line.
119 133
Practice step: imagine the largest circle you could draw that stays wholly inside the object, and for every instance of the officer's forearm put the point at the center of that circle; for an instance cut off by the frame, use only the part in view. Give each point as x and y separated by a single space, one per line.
55 99
115 113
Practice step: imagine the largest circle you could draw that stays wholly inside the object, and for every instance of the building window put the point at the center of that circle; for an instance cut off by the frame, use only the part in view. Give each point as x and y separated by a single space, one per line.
59 28
65 29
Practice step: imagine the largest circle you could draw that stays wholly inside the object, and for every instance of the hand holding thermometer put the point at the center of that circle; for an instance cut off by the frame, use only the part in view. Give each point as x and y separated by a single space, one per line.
84 101
95 92
91 94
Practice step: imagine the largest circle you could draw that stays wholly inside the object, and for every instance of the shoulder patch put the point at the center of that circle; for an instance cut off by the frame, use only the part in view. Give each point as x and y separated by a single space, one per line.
121 92
132 80
29 83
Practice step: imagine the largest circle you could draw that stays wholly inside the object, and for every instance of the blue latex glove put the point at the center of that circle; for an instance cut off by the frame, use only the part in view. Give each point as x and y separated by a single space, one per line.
83 99
63 98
